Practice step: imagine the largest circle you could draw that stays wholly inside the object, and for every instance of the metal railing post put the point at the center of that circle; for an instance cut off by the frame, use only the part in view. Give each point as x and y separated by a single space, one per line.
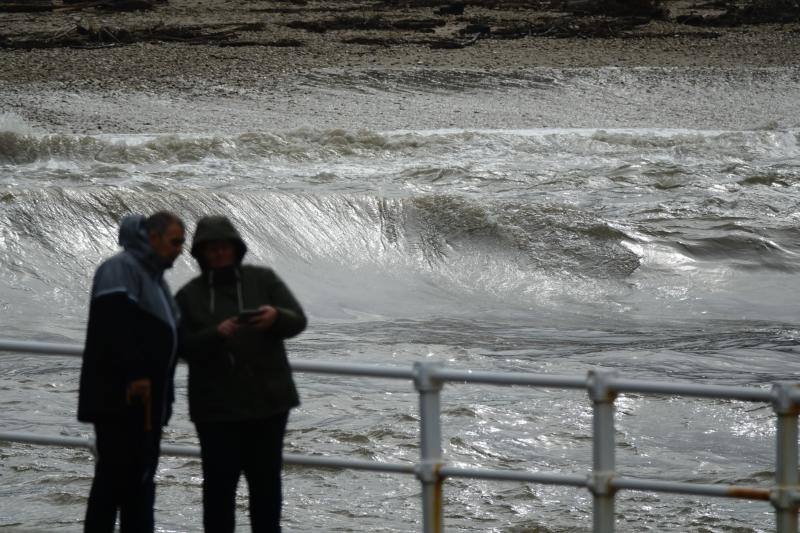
783 497
430 445
603 450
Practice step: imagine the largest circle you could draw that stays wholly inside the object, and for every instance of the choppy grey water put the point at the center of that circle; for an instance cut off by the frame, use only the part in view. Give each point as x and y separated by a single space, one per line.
662 252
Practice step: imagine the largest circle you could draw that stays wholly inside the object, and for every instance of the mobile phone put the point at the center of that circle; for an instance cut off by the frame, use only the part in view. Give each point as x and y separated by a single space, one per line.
246 314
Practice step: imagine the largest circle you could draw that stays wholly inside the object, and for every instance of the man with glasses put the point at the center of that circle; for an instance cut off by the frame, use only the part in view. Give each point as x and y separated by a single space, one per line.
128 365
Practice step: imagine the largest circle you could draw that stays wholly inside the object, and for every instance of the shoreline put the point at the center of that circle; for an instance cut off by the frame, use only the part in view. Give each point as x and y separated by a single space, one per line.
269 72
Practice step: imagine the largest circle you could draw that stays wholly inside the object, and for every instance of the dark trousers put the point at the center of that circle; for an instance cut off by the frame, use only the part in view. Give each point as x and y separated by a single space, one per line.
127 458
254 447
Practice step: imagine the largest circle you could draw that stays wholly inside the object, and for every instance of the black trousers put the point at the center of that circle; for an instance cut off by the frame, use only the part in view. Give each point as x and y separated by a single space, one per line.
254 447
127 458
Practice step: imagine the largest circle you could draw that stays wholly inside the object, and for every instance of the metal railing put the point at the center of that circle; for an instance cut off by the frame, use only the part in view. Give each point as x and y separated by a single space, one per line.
603 482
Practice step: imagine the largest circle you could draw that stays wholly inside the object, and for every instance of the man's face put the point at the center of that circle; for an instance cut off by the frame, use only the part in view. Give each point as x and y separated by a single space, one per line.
169 245
219 254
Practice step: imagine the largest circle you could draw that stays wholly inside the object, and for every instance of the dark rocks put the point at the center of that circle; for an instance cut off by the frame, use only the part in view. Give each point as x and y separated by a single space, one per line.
371 41
450 9
691 20
453 44
75 5
365 23
759 12
25 6
479 28
92 36
651 9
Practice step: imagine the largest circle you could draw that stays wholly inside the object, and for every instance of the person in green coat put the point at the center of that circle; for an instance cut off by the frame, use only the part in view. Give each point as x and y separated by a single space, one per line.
235 318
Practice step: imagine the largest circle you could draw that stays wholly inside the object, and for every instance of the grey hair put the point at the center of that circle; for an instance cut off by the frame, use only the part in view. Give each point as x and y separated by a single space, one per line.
159 221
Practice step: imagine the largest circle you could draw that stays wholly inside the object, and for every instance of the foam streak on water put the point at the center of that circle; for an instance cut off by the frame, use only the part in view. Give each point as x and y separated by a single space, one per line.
663 253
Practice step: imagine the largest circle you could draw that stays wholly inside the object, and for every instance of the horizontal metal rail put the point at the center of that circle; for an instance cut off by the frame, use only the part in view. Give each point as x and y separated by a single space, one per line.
507 378
545 478
603 387
571 480
750 394
349 369
747 394
49 440
194 451
40 348
699 489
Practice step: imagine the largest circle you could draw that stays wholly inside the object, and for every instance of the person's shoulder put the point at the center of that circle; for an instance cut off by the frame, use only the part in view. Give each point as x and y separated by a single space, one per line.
116 260
191 285
119 267
263 274
118 274
257 270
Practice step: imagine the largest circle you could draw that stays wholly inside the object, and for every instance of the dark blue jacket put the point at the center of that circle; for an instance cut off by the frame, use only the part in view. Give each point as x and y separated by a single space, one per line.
132 332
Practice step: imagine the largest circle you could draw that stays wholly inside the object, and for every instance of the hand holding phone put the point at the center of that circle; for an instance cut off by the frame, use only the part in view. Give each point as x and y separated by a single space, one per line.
246 315
267 315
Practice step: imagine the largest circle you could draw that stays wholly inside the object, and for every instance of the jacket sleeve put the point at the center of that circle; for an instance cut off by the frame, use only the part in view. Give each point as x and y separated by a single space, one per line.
196 341
291 318
114 314
114 338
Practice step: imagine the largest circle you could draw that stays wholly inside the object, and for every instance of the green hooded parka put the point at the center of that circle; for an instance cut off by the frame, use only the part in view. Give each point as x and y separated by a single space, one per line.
246 376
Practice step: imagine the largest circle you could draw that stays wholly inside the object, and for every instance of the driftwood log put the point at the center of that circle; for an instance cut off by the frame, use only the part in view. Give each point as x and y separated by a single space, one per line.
23 6
81 36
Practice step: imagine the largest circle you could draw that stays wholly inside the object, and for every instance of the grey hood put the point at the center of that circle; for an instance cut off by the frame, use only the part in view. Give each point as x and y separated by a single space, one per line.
134 240
137 272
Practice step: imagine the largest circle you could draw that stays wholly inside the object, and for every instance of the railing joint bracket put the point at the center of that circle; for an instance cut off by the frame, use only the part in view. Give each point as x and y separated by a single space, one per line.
599 386
423 378
783 402
429 471
600 483
785 498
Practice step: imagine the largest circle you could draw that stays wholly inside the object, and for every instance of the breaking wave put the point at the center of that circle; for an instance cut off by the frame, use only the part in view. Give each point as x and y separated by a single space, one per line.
453 219
22 148
501 243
